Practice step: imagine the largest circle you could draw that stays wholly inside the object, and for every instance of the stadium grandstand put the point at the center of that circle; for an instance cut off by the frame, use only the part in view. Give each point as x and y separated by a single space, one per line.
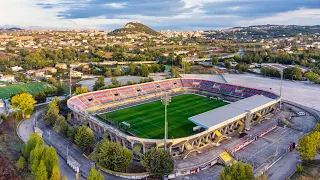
201 112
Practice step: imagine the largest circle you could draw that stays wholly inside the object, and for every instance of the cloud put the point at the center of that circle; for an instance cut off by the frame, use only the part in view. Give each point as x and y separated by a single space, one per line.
164 14
116 5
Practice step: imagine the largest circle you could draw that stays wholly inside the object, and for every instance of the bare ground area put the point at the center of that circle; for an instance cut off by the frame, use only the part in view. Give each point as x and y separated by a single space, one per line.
10 153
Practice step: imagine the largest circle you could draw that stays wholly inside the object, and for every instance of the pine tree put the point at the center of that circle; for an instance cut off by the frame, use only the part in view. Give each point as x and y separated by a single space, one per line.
33 141
249 172
99 176
52 112
233 170
50 158
55 173
41 173
241 174
21 163
35 157
92 174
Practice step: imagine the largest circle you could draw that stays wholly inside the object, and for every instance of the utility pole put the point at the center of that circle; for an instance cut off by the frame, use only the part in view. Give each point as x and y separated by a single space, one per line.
165 99
281 72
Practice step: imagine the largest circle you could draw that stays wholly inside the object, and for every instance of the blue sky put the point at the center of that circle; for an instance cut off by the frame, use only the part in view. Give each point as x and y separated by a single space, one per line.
158 14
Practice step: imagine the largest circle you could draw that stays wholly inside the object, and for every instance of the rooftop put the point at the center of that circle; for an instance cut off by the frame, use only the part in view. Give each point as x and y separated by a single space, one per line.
226 114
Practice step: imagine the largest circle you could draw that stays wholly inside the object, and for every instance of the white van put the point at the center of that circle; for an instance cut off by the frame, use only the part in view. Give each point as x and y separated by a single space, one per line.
301 113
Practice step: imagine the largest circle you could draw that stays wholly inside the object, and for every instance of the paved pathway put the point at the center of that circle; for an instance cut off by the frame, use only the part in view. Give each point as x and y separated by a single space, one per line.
284 167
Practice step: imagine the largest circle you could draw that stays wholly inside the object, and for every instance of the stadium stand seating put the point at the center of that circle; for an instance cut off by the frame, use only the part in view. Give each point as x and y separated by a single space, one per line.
87 100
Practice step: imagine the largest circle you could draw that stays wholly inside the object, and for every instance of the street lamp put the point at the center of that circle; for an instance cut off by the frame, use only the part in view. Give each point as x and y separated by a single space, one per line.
165 99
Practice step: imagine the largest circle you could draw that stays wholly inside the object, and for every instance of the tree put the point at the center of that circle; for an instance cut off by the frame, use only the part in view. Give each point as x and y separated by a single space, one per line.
311 76
249 172
84 138
215 60
108 72
33 141
52 80
117 71
99 83
41 173
227 64
241 172
241 67
187 67
112 155
24 102
237 172
21 164
307 148
115 82
293 73
72 132
50 158
61 126
95 175
81 90
157 162
174 72
55 173
92 174
40 97
144 70
52 112
35 158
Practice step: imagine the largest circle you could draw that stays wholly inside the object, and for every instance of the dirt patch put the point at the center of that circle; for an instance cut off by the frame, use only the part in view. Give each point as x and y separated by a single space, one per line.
7 172
9 151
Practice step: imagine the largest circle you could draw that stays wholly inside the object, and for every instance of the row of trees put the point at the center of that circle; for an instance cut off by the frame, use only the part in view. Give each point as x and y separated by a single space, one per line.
237 171
82 136
132 69
289 73
113 156
99 83
40 160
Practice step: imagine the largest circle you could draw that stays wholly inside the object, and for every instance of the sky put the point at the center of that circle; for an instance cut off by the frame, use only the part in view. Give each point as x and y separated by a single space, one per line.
157 14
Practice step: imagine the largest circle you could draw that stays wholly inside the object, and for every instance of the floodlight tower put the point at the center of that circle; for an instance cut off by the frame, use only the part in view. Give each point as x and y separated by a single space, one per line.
165 99
281 73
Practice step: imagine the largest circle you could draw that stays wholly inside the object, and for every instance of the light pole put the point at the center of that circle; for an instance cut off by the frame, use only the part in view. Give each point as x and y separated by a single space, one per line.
165 99
70 82
281 72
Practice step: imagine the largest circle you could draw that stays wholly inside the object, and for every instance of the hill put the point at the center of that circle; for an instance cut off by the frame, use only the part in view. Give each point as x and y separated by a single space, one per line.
134 28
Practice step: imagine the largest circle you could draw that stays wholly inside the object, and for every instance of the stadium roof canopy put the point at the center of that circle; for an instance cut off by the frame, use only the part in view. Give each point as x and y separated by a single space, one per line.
231 112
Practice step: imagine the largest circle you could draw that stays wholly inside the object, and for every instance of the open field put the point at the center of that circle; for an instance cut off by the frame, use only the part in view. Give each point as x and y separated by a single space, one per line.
147 120
32 88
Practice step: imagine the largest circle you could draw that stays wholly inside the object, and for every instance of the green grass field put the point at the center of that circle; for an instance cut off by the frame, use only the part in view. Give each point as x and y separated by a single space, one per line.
147 120
32 88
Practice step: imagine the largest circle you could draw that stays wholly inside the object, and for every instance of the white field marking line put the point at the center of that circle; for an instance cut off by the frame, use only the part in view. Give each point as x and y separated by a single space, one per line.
268 145
29 89
148 121
139 132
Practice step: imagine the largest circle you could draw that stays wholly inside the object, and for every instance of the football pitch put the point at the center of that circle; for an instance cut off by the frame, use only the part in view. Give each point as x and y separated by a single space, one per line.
147 120
32 88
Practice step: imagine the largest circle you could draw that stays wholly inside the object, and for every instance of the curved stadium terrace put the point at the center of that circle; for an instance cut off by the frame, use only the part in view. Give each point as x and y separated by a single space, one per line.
201 112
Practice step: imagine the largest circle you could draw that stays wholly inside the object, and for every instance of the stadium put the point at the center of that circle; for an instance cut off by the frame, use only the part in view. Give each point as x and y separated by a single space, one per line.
200 112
